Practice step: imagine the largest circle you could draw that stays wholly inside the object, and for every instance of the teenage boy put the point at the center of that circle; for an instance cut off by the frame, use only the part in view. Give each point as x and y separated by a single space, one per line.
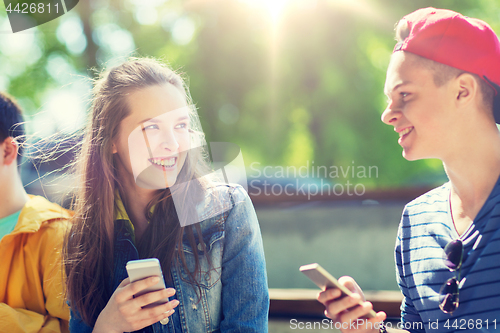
31 236
443 90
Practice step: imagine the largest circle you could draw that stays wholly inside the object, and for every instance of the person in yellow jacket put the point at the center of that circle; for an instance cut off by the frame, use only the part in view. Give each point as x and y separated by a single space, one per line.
31 236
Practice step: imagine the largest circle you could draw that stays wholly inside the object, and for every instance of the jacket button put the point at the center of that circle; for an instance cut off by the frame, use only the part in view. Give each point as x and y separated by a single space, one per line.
165 321
200 247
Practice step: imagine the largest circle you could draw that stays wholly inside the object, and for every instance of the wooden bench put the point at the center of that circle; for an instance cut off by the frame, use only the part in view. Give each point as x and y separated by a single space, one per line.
302 302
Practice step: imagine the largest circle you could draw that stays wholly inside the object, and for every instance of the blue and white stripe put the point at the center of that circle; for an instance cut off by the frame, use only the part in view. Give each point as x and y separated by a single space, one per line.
425 229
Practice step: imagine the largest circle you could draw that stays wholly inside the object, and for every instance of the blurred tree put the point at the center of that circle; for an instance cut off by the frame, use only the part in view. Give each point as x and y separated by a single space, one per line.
303 83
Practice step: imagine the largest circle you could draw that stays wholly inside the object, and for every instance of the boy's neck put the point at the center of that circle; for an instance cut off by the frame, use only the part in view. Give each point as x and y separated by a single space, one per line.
13 197
473 175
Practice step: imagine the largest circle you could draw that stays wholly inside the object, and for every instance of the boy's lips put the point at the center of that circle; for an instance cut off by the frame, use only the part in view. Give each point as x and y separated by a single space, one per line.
403 133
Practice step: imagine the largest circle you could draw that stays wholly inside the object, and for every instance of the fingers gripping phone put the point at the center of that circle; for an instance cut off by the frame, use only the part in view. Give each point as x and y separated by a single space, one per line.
325 280
144 268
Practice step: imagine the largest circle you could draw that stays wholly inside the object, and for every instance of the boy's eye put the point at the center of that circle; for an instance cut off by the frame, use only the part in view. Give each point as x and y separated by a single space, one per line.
181 125
403 94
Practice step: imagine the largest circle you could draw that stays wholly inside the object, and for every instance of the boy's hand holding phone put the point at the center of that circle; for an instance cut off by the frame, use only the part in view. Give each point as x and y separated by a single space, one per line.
344 301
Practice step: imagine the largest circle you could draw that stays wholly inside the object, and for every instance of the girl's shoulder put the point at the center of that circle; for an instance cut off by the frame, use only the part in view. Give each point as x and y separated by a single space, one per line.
220 197
219 201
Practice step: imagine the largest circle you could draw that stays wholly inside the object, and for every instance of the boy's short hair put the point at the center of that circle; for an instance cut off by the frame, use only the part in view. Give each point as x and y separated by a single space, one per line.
450 44
11 121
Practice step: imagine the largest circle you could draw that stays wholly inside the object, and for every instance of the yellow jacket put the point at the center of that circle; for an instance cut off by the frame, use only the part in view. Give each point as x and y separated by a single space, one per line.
31 277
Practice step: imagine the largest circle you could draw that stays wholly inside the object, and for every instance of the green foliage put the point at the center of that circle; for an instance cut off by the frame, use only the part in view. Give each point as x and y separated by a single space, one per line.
301 144
306 87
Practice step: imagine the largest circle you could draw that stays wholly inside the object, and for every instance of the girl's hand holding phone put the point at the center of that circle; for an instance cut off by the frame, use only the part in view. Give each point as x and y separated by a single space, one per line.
124 313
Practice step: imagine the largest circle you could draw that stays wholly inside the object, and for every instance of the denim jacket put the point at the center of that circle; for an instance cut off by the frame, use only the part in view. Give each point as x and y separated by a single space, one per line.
234 294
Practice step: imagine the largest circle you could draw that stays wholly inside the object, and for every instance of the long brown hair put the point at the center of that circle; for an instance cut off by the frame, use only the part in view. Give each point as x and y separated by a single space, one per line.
88 250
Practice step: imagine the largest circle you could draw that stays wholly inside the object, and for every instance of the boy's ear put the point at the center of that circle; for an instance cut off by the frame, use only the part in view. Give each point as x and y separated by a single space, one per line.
8 149
467 88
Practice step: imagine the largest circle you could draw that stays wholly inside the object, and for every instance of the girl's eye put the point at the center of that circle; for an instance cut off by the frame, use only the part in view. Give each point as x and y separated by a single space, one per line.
181 126
403 94
150 127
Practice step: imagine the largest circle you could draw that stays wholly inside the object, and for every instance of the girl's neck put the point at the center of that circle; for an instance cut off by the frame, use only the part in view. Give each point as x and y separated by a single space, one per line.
135 200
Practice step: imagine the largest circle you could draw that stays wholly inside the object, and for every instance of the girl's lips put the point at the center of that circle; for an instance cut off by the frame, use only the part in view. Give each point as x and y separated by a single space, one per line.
162 163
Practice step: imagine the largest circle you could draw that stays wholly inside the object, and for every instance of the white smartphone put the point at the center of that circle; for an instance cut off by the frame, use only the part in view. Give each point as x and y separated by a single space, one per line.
144 268
325 280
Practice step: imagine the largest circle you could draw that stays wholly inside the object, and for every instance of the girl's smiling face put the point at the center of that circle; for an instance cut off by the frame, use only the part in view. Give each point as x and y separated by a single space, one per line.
154 138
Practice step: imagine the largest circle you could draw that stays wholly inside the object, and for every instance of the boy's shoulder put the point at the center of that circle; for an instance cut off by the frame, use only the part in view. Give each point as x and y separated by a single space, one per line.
39 213
433 198
425 211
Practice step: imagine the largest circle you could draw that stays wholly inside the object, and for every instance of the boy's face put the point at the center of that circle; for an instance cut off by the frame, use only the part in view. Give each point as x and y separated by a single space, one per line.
421 113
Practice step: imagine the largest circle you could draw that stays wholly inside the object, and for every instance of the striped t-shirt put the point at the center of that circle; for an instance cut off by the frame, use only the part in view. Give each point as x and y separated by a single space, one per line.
425 229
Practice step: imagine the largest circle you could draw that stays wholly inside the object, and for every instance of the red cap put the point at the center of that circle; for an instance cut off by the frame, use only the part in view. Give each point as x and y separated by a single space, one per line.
458 41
